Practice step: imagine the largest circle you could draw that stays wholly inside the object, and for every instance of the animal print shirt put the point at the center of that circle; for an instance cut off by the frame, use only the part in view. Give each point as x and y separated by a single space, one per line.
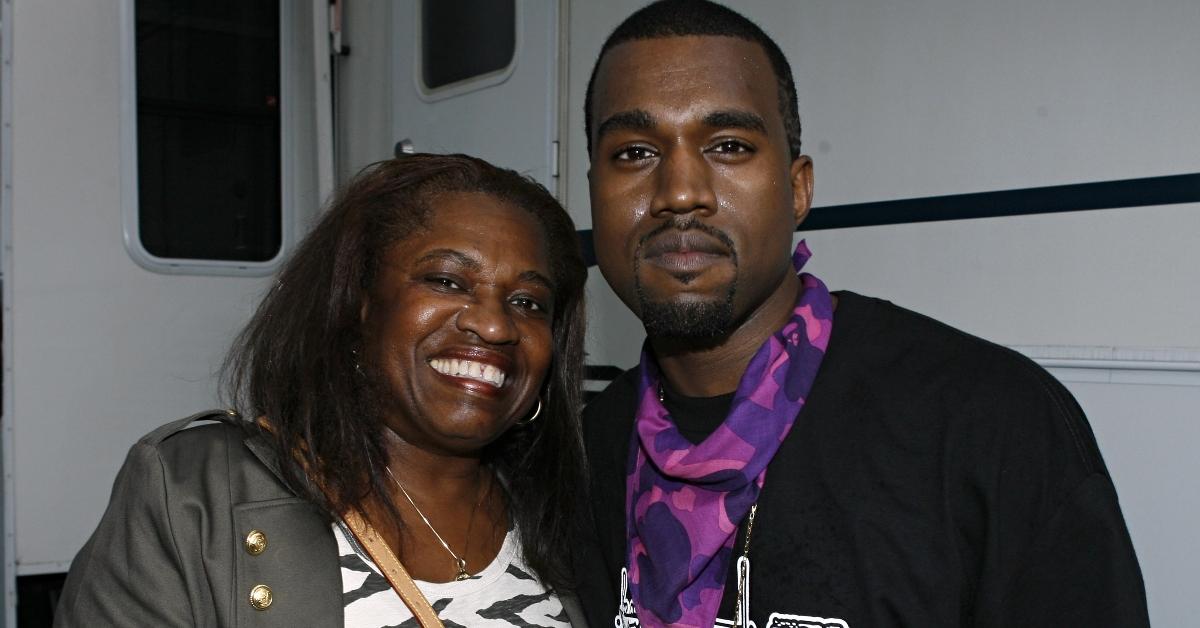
505 594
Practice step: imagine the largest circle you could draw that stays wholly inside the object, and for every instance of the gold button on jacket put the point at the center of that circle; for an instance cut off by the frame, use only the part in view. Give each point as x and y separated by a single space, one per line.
256 542
260 597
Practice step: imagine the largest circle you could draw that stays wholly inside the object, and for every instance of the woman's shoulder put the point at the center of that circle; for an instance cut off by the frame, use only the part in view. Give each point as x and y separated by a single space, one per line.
206 446
203 435
200 426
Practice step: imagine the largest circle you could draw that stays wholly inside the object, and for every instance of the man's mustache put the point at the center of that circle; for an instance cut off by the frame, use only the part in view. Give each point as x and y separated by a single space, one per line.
686 224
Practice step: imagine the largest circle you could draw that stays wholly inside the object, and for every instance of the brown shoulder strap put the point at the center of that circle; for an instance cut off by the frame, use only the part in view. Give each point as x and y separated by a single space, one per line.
395 573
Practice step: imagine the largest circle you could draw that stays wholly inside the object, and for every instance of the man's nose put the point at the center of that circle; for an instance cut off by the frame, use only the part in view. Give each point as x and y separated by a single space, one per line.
684 183
489 317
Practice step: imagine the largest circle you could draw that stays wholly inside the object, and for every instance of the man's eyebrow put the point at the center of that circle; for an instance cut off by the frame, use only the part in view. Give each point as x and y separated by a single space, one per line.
736 120
634 119
457 257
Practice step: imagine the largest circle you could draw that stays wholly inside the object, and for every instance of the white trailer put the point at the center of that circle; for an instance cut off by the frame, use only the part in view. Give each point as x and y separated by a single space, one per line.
970 106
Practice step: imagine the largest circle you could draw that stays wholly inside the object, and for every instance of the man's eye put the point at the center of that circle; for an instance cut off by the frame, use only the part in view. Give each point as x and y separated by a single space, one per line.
732 146
634 153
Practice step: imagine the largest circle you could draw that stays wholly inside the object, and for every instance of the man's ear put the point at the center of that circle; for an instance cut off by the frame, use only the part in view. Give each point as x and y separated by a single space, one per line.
802 187
365 309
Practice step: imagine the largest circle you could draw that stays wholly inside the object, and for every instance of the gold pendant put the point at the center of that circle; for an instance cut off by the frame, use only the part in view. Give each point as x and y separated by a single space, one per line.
462 571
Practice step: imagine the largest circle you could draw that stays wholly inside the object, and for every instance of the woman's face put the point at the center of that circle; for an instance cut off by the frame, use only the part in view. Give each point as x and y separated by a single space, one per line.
456 327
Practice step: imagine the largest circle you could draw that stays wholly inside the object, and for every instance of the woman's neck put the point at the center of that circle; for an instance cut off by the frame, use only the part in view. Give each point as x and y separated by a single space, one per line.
456 498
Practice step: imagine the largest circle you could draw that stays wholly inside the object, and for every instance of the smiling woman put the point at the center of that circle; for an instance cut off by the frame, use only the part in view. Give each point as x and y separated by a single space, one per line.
415 378
457 324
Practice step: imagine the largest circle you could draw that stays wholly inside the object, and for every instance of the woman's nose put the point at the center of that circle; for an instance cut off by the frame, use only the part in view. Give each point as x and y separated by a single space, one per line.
488 317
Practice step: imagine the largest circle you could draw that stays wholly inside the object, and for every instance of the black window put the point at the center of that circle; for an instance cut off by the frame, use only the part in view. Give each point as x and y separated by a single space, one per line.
208 129
462 39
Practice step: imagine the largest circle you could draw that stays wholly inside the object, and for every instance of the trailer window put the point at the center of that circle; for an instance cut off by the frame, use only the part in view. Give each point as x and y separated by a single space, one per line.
465 39
208 129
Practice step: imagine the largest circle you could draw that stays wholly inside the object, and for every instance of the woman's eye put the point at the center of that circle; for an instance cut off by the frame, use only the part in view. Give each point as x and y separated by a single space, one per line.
448 283
528 303
634 153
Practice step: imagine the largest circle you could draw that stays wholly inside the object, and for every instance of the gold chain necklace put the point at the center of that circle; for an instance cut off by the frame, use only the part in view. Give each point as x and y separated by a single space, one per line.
459 562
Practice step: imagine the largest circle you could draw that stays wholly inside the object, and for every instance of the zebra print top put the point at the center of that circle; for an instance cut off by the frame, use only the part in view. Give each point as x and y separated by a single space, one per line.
505 594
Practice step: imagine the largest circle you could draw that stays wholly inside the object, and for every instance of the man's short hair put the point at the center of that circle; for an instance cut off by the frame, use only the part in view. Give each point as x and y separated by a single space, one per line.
681 18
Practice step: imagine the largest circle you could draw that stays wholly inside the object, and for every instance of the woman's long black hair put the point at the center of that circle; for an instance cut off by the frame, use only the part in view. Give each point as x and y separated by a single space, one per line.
295 363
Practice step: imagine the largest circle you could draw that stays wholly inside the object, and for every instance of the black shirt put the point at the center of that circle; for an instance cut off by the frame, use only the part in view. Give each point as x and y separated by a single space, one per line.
932 479
696 417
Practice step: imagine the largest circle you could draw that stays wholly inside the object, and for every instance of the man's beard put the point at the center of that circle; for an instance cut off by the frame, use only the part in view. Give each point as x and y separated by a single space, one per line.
689 320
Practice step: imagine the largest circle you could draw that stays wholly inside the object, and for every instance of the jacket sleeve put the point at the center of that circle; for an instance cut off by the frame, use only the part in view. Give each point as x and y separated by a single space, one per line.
129 572
1058 552
1080 571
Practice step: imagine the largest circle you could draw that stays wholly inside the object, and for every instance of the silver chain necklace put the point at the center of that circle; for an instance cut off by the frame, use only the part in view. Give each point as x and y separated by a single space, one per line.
459 562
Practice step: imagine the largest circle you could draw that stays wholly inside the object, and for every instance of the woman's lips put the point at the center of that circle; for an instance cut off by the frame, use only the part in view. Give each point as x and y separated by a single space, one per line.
477 369
470 369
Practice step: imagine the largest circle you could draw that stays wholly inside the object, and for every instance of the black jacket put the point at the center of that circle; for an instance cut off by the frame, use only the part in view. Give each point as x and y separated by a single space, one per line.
932 479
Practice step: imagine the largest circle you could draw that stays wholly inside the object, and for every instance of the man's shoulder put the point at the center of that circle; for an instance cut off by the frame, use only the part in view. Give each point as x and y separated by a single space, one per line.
619 395
920 366
881 331
609 414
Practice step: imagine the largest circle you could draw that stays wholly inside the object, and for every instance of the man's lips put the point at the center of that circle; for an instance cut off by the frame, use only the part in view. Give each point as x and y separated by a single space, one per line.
690 241
684 251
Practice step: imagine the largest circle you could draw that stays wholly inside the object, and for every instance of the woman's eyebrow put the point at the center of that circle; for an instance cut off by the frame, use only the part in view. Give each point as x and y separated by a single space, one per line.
533 276
462 259
458 257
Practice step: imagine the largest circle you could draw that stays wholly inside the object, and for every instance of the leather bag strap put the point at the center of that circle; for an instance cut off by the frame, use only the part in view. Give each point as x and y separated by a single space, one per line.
395 573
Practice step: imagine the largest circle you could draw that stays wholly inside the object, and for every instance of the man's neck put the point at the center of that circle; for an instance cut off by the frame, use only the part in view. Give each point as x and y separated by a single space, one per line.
714 367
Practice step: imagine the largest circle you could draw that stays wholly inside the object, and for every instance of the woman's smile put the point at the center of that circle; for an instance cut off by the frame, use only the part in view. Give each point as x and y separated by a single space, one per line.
469 369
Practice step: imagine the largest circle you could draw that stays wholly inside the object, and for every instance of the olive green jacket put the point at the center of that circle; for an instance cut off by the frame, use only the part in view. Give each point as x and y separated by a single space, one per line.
171 549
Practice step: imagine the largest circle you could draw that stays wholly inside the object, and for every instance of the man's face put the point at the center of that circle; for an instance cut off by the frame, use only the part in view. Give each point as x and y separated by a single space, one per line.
694 194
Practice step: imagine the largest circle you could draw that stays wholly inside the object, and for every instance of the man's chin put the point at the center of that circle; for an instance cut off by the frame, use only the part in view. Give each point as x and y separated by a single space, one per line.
687 319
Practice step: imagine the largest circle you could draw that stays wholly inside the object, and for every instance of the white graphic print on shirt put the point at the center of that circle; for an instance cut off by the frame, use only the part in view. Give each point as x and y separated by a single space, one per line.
627 613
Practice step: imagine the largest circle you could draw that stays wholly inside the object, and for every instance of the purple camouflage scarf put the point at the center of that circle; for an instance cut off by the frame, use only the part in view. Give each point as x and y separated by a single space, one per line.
684 507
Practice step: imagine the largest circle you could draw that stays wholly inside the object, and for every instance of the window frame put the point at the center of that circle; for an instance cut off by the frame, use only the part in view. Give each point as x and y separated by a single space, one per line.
457 88
130 205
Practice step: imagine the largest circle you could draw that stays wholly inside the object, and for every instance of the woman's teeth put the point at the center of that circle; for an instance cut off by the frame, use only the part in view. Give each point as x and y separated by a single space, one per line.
469 369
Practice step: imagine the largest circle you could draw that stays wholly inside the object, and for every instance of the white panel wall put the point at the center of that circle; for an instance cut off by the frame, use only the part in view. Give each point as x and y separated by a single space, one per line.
945 97
508 118
1111 278
102 350
364 95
